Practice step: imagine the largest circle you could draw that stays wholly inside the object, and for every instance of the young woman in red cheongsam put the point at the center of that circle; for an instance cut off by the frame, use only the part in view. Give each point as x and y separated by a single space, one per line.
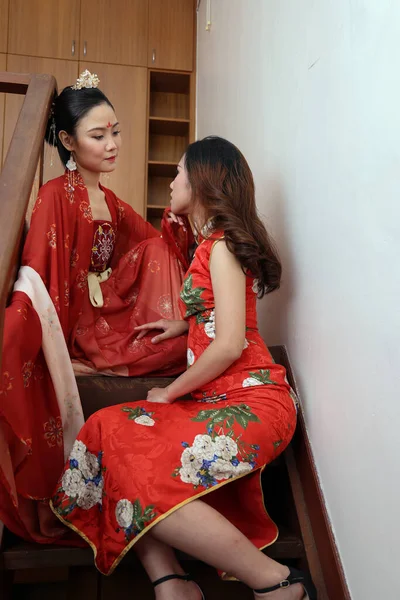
185 473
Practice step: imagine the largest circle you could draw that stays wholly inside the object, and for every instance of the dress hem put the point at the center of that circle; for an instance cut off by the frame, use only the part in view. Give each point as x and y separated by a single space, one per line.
116 562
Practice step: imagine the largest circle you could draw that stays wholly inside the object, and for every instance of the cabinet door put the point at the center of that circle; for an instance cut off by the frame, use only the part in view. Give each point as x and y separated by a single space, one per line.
114 31
66 72
2 100
126 88
3 25
47 28
171 33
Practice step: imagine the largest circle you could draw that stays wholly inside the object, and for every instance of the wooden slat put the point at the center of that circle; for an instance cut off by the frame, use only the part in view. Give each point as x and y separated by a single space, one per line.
19 170
25 555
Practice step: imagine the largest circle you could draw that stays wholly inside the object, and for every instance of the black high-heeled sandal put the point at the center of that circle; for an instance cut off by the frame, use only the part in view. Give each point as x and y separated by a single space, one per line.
295 576
175 576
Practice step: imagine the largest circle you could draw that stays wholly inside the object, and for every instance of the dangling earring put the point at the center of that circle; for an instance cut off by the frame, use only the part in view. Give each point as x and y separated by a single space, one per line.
71 164
52 141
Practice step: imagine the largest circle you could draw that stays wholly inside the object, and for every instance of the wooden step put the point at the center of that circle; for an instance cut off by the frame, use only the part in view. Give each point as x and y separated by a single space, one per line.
18 554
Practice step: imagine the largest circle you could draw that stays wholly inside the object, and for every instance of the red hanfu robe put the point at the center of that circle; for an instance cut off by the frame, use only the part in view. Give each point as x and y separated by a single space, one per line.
147 272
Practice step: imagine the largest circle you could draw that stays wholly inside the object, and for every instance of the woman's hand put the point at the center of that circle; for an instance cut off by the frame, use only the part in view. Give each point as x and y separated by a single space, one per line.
171 329
158 395
173 218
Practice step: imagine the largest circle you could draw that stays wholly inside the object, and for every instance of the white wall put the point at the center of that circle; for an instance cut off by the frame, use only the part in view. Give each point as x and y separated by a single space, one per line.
310 92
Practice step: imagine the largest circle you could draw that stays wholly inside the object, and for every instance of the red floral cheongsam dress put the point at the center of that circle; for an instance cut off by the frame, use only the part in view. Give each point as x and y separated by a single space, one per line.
135 463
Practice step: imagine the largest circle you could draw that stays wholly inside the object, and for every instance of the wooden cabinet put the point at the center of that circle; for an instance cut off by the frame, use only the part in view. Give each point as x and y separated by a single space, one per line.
171 34
114 31
4 26
65 72
154 33
46 28
2 100
126 88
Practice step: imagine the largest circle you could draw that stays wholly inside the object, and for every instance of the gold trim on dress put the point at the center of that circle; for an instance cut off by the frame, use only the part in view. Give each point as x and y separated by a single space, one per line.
164 516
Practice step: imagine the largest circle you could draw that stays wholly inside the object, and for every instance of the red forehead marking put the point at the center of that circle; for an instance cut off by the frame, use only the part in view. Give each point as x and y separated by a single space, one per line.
109 124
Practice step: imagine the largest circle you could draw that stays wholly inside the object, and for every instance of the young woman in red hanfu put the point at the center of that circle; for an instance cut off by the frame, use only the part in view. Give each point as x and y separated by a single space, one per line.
105 271
169 473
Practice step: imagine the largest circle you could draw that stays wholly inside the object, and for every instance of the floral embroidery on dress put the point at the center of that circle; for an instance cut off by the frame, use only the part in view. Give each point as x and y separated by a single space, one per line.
37 204
121 212
164 306
208 461
190 357
73 261
103 246
53 432
52 236
139 415
135 344
132 257
217 455
66 241
66 293
191 297
51 318
261 377
23 312
72 180
131 298
131 517
82 330
6 385
86 210
102 325
81 280
209 326
27 371
82 483
154 266
71 403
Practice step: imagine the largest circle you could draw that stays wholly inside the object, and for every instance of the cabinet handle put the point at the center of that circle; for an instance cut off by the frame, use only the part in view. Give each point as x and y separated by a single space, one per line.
84 48
153 56
73 48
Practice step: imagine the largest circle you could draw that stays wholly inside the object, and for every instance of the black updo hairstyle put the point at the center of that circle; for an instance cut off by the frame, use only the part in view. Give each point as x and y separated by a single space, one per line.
68 109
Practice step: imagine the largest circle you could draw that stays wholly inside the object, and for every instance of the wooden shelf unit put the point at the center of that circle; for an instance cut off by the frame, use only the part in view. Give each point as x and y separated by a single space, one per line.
170 130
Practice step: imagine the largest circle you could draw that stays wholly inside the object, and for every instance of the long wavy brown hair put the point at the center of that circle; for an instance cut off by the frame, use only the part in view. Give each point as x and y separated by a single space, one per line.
222 182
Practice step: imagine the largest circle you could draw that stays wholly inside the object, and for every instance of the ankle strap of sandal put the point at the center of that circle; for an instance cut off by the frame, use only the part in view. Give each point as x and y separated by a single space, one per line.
294 576
173 576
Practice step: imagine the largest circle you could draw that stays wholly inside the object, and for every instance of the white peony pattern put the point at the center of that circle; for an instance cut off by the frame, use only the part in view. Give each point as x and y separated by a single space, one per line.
132 518
82 483
124 513
145 420
209 326
190 357
250 381
210 460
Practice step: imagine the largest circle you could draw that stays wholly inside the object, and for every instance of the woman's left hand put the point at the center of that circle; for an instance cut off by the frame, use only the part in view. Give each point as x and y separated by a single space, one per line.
158 395
173 218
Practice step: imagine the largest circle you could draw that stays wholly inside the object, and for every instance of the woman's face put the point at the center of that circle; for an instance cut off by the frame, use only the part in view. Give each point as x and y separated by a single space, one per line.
181 194
97 140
